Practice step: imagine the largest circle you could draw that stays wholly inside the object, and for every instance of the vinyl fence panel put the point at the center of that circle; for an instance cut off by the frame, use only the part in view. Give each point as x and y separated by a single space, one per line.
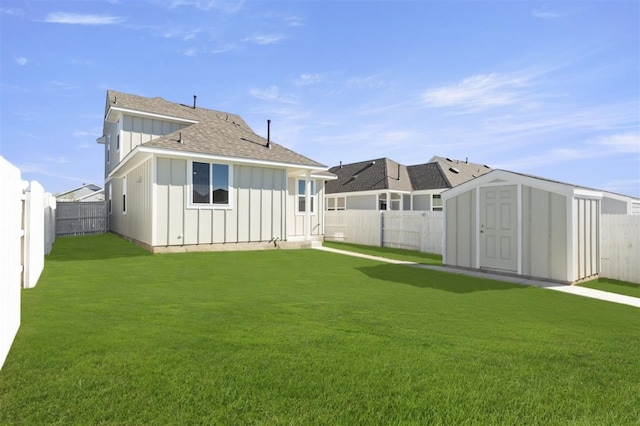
354 226
620 247
34 244
413 230
81 218
10 254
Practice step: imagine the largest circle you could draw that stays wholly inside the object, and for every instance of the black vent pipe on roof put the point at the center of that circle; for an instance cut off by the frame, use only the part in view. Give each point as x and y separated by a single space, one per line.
268 133
194 101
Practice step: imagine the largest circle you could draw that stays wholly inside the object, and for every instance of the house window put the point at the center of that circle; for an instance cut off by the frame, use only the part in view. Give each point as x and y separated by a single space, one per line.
336 203
109 201
210 184
382 201
118 141
301 205
436 203
108 148
124 195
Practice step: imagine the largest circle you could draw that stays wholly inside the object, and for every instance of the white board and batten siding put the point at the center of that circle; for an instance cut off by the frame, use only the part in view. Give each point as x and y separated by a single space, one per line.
256 213
620 247
10 254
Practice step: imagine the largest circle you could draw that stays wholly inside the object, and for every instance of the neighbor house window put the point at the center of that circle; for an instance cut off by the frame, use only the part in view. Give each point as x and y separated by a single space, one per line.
436 203
382 201
302 199
108 148
210 184
124 195
118 141
336 203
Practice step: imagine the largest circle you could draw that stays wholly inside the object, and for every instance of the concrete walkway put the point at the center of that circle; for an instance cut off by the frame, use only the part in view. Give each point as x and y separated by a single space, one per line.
571 289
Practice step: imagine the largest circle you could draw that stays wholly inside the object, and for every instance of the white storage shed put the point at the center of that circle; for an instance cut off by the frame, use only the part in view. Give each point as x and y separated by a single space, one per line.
525 225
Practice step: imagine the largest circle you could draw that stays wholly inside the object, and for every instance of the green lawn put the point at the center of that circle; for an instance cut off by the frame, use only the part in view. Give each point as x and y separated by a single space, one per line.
392 253
113 335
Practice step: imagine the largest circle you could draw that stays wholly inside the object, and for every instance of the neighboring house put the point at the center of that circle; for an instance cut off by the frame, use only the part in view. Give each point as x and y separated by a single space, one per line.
86 192
527 225
182 175
384 184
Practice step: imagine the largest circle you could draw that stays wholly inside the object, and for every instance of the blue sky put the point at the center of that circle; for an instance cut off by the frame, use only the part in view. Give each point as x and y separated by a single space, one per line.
545 88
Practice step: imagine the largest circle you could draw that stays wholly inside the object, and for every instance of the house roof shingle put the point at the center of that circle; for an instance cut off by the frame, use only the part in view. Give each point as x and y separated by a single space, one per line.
215 133
386 174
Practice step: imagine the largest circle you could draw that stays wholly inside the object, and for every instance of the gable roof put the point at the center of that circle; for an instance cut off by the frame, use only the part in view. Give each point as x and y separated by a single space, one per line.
80 192
385 174
207 132
372 175
457 172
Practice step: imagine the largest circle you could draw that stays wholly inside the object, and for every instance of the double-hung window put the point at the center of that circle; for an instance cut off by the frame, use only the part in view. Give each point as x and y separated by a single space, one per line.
436 204
301 205
210 184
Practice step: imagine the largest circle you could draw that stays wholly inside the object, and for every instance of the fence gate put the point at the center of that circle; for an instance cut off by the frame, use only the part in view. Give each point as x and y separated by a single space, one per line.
81 218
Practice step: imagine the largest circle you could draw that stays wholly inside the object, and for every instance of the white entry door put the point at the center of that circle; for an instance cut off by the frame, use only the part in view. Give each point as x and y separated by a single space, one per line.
498 228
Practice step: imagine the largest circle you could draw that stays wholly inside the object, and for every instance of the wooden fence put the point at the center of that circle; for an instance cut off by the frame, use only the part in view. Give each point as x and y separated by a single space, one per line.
620 247
82 218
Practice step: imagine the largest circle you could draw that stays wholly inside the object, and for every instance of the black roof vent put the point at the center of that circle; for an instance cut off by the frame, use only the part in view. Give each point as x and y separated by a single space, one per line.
454 170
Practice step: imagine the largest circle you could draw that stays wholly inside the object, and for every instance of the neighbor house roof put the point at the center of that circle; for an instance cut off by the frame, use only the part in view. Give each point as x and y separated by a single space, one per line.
385 174
372 175
79 193
207 131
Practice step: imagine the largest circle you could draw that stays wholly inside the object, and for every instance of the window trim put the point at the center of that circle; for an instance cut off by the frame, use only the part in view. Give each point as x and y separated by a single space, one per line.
312 197
209 206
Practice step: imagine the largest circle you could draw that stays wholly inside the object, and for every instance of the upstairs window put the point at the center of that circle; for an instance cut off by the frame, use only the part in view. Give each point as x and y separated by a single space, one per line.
124 195
301 206
210 184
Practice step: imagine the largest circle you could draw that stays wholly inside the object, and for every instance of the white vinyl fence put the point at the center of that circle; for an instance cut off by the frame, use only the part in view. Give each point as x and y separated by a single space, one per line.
412 230
27 232
11 195
423 231
620 247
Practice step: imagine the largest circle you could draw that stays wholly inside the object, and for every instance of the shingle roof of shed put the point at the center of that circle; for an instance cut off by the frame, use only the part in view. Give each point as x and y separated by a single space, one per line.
215 133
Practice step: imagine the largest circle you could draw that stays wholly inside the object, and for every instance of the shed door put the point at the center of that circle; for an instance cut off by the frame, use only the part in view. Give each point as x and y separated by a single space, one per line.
498 228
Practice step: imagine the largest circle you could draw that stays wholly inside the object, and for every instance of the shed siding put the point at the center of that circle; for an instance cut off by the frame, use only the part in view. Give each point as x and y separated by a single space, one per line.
544 244
461 230
585 238
256 214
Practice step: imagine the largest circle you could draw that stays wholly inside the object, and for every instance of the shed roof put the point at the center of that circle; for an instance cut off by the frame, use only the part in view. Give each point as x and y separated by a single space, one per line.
211 133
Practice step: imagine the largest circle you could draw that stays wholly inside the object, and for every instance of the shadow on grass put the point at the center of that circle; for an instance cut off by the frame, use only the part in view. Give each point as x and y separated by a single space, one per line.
425 278
93 247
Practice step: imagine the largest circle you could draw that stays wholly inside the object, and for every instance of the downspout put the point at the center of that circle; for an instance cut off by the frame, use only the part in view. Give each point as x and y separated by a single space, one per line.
307 204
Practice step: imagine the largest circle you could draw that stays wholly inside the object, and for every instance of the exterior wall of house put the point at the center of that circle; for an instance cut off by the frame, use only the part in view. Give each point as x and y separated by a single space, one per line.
461 230
544 234
362 202
256 213
136 130
422 202
135 223
612 206
295 219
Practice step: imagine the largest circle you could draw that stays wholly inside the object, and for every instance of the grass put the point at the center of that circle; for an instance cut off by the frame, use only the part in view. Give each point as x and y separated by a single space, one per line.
614 286
113 335
391 253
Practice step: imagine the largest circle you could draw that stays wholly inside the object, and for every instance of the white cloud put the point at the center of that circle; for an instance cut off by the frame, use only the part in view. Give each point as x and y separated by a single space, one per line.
478 91
544 14
182 33
192 51
308 79
22 61
294 21
11 11
265 39
368 82
272 94
227 6
82 19
621 143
